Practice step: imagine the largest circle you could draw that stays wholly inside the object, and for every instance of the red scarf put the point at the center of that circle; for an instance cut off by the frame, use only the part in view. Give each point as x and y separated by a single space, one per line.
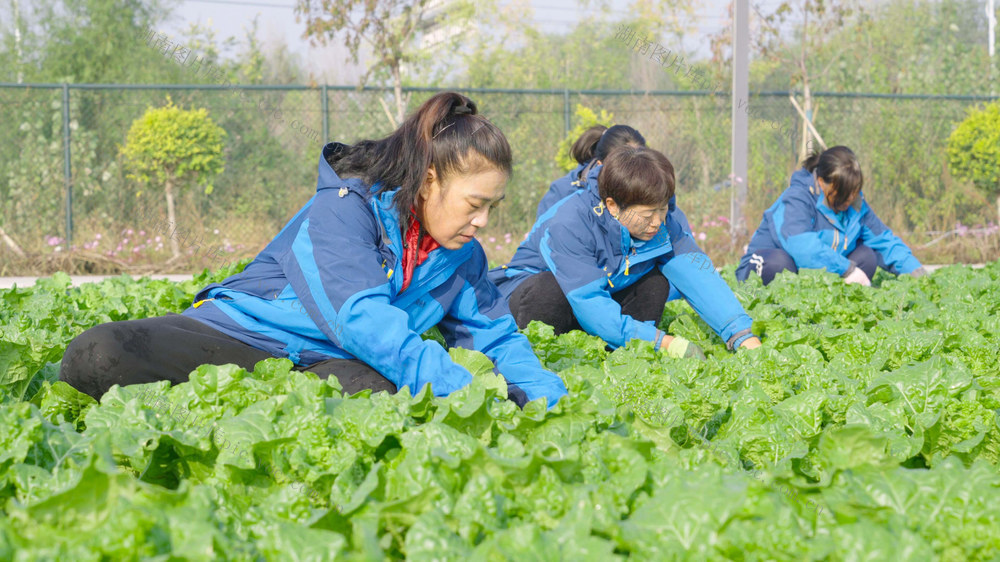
417 245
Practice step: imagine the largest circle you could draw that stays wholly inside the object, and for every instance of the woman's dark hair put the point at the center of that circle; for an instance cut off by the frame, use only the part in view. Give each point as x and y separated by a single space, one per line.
636 176
838 167
617 137
446 132
583 149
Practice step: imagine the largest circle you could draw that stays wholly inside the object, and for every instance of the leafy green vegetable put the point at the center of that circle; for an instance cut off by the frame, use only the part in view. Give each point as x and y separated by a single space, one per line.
865 427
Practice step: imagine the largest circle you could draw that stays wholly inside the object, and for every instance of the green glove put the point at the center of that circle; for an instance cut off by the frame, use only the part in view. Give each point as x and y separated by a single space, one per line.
680 347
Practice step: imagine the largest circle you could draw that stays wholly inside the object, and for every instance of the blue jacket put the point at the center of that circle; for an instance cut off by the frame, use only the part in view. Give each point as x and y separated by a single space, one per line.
816 237
593 256
328 286
573 181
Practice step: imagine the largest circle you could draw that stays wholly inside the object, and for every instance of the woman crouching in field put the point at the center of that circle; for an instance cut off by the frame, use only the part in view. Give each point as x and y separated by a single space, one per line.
823 221
382 252
604 258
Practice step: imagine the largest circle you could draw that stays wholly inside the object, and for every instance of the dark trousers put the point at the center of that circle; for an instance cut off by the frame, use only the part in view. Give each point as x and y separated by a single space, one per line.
540 297
170 347
770 262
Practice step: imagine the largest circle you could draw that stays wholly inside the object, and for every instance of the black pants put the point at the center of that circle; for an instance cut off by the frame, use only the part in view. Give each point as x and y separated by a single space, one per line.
170 347
770 262
539 297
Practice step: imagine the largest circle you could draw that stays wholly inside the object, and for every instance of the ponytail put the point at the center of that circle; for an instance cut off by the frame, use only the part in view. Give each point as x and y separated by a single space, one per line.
446 132
583 149
839 167
617 136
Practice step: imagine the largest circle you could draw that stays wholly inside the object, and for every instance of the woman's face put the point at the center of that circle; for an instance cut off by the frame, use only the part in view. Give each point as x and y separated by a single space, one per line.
453 212
641 221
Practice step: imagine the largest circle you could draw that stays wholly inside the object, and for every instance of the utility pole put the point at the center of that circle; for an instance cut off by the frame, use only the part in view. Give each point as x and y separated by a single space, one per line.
18 55
740 141
991 20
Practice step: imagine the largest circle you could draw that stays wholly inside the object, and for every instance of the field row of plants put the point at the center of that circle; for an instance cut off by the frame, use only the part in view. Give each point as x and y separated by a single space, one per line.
865 428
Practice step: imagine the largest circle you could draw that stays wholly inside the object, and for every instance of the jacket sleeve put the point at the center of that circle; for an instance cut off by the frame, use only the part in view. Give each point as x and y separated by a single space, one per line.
895 254
570 255
558 190
479 319
550 198
678 215
334 267
694 275
796 232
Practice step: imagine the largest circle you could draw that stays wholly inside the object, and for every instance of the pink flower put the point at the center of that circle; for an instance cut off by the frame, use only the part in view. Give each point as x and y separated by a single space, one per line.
97 236
53 240
492 239
723 219
701 236
129 231
499 247
125 241
142 233
157 239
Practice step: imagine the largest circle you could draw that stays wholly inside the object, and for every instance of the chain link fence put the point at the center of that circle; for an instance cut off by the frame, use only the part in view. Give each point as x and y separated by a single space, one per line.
67 203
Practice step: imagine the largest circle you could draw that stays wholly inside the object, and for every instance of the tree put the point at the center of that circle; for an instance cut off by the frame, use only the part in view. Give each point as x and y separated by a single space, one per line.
585 119
816 23
974 150
176 146
390 28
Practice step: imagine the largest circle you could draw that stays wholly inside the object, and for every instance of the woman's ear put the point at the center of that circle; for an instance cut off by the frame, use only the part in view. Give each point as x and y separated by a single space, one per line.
430 182
612 207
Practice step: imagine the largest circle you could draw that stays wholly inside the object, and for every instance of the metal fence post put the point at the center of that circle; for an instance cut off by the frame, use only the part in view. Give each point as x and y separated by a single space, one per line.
566 126
326 117
67 170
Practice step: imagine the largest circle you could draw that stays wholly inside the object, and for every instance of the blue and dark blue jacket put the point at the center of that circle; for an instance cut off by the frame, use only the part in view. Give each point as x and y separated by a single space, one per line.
579 178
329 286
817 237
593 256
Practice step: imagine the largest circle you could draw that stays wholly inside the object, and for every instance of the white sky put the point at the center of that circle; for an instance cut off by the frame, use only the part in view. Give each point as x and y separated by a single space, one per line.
277 22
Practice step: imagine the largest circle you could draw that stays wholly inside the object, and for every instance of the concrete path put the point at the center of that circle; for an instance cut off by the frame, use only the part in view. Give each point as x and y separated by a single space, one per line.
77 280
8 282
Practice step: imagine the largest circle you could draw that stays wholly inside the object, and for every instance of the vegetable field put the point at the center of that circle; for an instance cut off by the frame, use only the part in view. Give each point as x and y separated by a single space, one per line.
865 428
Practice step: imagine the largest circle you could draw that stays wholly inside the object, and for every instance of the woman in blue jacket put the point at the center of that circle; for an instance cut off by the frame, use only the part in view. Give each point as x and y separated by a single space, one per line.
823 221
583 152
590 157
603 259
380 254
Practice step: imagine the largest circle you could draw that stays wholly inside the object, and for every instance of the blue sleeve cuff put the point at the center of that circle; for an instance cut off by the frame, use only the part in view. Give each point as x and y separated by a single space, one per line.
739 339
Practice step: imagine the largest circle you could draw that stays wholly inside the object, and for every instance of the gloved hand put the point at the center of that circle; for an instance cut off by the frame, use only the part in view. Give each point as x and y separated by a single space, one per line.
918 272
681 347
856 275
